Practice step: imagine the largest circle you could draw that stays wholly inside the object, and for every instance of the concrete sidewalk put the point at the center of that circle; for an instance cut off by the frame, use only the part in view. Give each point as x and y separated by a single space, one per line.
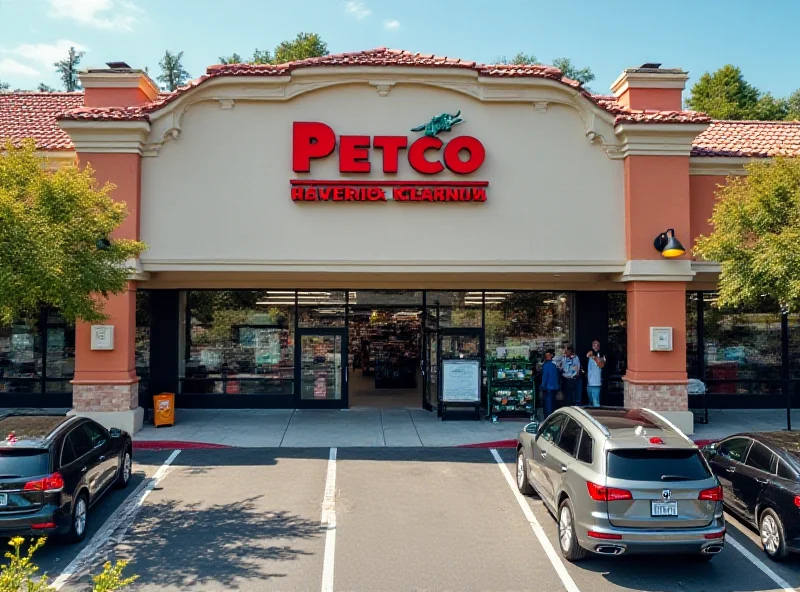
273 428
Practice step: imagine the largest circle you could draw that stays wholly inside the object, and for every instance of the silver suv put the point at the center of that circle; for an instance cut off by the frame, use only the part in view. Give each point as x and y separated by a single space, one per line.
621 481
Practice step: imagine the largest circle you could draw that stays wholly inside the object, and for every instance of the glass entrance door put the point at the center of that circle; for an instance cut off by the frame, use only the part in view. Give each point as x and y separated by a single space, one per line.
323 368
430 399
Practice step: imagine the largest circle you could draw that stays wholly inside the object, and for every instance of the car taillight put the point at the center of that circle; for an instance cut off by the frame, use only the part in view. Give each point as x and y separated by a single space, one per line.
712 495
715 535
604 535
41 525
797 501
54 482
599 493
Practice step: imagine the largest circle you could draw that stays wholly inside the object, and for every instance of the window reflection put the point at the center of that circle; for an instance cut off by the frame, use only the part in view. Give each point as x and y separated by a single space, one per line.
448 309
239 342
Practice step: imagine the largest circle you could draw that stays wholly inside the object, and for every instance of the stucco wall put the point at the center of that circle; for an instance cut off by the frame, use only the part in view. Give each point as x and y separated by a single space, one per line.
704 190
220 192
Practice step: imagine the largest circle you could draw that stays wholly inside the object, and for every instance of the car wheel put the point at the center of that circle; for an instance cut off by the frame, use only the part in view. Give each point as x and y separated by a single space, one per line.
523 484
80 513
124 476
567 537
773 538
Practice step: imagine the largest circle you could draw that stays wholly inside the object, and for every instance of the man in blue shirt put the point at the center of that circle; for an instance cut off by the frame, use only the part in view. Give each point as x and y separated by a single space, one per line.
571 371
550 385
595 373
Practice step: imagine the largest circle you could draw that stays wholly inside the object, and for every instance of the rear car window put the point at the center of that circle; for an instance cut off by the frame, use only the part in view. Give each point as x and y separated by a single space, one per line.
569 437
760 457
784 472
656 465
23 463
585 449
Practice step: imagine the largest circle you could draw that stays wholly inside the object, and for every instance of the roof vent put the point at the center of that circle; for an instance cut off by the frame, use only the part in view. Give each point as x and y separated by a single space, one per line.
118 65
650 66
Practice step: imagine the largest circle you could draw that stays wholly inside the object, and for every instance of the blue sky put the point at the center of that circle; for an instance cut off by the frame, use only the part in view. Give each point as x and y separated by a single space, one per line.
697 35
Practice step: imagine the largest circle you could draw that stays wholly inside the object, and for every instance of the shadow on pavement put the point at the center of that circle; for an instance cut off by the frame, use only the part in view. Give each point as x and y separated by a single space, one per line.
185 545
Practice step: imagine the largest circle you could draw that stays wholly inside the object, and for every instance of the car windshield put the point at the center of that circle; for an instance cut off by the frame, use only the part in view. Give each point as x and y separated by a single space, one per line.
656 465
22 463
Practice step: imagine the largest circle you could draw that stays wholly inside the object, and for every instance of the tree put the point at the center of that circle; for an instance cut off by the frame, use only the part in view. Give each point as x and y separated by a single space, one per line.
261 56
521 59
756 236
234 58
53 246
568 69
4 86
44 88
68 70
305 45
725 94
793 106
172 74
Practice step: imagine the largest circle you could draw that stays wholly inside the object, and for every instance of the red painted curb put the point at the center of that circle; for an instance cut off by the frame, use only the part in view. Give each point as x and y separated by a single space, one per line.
497 444
174 445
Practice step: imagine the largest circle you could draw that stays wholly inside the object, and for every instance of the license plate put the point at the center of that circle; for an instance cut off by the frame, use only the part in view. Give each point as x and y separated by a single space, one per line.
3 499
664 508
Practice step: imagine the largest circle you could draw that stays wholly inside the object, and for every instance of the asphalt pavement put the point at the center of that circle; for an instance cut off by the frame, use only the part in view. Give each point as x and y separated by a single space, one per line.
394 519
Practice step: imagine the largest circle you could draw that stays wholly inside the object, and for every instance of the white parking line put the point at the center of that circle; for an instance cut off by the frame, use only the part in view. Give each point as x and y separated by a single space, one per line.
329 523
555 560
750 557
114 529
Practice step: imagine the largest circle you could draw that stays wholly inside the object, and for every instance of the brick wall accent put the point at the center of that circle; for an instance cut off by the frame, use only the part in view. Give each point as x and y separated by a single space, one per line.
658 397
105 397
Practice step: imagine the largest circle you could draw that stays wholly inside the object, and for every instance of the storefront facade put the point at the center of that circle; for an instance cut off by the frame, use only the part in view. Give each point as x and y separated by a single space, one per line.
314 186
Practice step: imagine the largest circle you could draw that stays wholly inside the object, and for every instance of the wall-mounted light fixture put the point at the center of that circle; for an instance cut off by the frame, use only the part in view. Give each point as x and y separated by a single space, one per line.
668 245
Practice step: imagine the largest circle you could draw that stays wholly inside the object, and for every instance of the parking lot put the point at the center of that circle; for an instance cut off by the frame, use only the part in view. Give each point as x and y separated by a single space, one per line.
373 519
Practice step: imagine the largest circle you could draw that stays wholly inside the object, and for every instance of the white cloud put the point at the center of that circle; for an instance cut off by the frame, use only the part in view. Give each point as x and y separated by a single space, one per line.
46 53
9 67
391 24
357 9
116 15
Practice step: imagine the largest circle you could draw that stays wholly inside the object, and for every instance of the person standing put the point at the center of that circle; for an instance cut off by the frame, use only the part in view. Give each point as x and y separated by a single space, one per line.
571 371
550 385
594 372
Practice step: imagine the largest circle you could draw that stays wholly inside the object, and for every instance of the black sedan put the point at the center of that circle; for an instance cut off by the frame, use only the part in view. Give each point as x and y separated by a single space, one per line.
760 476
53 469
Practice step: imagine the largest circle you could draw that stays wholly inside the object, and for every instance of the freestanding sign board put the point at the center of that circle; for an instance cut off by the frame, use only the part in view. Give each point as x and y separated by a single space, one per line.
461 381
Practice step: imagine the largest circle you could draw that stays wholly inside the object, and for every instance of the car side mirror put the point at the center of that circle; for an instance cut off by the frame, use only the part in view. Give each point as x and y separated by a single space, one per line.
115 432
710 449
532 428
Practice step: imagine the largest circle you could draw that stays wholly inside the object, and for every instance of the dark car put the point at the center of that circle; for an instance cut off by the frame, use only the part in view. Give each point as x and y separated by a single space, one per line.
760 474
53 468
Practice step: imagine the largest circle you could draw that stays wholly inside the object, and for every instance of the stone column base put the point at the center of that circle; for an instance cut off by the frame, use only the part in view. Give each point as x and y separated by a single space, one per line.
111 405
670 400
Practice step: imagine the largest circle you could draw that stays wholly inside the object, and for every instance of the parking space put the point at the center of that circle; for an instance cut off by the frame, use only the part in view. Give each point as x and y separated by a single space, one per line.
406 519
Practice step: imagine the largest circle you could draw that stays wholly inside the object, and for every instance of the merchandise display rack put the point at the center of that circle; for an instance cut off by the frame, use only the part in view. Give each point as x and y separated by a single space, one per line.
511 388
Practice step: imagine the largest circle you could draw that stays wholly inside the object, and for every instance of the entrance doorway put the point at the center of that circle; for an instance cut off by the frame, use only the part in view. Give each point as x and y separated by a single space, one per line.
385 349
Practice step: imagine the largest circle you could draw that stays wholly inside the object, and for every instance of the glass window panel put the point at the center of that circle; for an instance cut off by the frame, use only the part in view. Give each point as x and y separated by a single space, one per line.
60 354
692 352
454 309
320 308
379 298
142 351
21 357
519 324
742 348
239 342
321 367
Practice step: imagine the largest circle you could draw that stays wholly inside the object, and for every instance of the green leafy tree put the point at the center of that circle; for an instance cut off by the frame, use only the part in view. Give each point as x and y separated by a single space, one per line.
68 69
4 86
305 45
53 245
793 106
570 70
724 94
756 236
234 58
173 73
521 59
769 108
261 56
44 88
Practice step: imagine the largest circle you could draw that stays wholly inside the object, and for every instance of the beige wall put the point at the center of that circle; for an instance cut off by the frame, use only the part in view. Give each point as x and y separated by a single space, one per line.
218 197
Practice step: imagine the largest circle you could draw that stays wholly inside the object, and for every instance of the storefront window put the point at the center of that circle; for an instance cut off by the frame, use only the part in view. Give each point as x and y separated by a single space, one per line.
692 336
519 324
239 342
21 357
617 357
323 308
143 339
742 348
60 354
455 309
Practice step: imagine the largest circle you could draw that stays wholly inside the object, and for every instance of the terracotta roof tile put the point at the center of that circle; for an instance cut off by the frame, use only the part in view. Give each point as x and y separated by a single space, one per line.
396 58
760 139
33 115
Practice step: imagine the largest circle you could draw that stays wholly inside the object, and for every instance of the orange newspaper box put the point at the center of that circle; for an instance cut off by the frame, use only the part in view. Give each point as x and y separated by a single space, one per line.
164 409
